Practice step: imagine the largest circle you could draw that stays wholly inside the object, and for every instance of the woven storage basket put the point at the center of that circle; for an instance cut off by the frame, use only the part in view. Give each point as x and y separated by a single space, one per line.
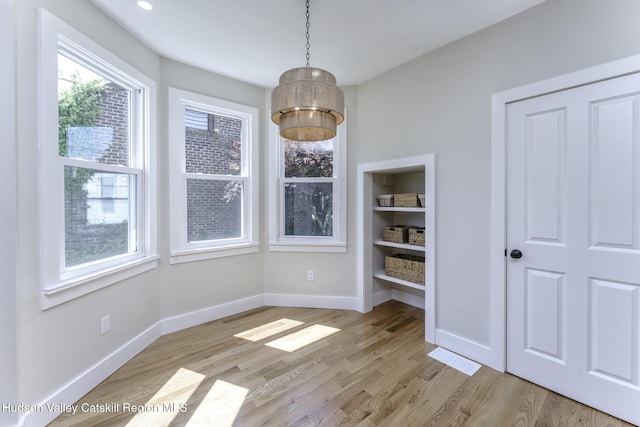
396 234
416 236
406 200
385 200
405 267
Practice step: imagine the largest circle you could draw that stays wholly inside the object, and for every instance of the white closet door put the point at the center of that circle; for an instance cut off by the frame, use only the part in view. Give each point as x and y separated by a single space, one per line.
573 212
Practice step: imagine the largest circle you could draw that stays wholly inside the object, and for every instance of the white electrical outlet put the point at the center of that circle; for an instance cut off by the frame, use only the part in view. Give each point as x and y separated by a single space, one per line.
310 275
105 324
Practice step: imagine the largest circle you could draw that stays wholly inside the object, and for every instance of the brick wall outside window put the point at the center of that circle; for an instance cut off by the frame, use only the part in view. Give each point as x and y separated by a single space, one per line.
214 206
114 114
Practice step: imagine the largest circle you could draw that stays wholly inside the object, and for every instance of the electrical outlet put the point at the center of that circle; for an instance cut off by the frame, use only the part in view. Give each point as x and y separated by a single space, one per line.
310 275
105 324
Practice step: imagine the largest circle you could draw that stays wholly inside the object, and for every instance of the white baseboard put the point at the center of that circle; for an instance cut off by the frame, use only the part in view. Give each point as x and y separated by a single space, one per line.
198 317
408 298
464 347
398 295
89 379
310 301
381 296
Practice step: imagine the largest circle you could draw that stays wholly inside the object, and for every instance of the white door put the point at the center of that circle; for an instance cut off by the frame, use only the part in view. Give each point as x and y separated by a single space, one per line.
573 212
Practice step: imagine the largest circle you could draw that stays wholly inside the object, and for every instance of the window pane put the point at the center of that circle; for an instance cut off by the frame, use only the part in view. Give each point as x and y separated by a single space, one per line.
214 209
99 214
308 159
215 148
196 119
93 115
308 209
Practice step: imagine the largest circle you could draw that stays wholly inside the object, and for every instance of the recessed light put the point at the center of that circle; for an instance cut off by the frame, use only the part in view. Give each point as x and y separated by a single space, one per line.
145 5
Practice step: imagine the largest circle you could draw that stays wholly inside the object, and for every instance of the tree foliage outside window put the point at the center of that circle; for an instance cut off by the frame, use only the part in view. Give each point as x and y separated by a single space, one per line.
308 159
78 106
308 188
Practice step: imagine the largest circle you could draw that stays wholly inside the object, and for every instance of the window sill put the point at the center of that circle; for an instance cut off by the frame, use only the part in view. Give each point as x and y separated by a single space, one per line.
77 287
178 257
326 247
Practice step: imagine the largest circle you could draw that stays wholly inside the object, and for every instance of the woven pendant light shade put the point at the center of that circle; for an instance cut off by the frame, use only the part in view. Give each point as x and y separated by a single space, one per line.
307 104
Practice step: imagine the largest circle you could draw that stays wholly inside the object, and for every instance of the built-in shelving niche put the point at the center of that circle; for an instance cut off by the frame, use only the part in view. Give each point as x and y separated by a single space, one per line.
405 175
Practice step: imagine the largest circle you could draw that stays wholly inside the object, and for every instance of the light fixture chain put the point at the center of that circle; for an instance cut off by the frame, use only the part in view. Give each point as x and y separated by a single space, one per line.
308 44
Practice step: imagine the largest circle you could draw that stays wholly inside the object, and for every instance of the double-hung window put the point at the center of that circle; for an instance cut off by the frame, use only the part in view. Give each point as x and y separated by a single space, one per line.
308 212
97 180
213 190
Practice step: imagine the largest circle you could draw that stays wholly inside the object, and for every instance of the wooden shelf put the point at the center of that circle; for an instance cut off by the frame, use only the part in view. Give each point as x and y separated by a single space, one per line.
399 245
381 275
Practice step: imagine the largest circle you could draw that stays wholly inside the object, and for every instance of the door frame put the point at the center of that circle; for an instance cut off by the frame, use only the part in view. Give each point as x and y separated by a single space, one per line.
498 259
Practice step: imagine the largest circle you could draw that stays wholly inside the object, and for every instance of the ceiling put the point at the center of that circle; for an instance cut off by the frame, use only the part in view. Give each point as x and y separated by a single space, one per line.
257 40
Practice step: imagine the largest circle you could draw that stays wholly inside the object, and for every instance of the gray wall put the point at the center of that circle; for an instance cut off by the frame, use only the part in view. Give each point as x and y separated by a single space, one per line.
441 103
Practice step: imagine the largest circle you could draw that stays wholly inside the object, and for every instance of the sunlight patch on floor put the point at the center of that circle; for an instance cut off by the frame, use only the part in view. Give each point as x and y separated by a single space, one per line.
172 398
268 329
220 406
303 337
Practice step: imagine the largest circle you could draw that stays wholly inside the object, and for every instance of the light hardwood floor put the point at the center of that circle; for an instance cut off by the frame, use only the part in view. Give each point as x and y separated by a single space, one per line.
363 370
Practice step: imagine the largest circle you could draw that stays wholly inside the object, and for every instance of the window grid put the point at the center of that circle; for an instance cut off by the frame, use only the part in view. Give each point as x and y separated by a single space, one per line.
212 178
307 196
77 147
307 209
96 119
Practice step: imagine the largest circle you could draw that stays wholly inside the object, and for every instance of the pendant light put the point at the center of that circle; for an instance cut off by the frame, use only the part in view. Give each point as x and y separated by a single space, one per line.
307 104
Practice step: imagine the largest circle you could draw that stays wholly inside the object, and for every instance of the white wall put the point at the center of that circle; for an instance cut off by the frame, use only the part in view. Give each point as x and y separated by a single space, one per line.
441 103
57 347
8 219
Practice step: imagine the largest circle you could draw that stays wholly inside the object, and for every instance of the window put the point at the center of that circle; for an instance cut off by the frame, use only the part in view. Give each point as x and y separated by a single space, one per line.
214 195
97 178
309 212
308 188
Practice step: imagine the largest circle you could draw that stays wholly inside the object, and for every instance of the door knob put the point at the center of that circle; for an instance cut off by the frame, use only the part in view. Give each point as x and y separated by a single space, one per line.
516 254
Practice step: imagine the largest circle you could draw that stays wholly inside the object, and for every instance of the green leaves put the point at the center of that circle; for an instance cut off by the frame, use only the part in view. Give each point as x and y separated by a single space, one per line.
78 106
308 159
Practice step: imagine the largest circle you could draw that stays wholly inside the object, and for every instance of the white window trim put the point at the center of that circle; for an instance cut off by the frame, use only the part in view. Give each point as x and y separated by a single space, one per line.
181 250
59 286
278 242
